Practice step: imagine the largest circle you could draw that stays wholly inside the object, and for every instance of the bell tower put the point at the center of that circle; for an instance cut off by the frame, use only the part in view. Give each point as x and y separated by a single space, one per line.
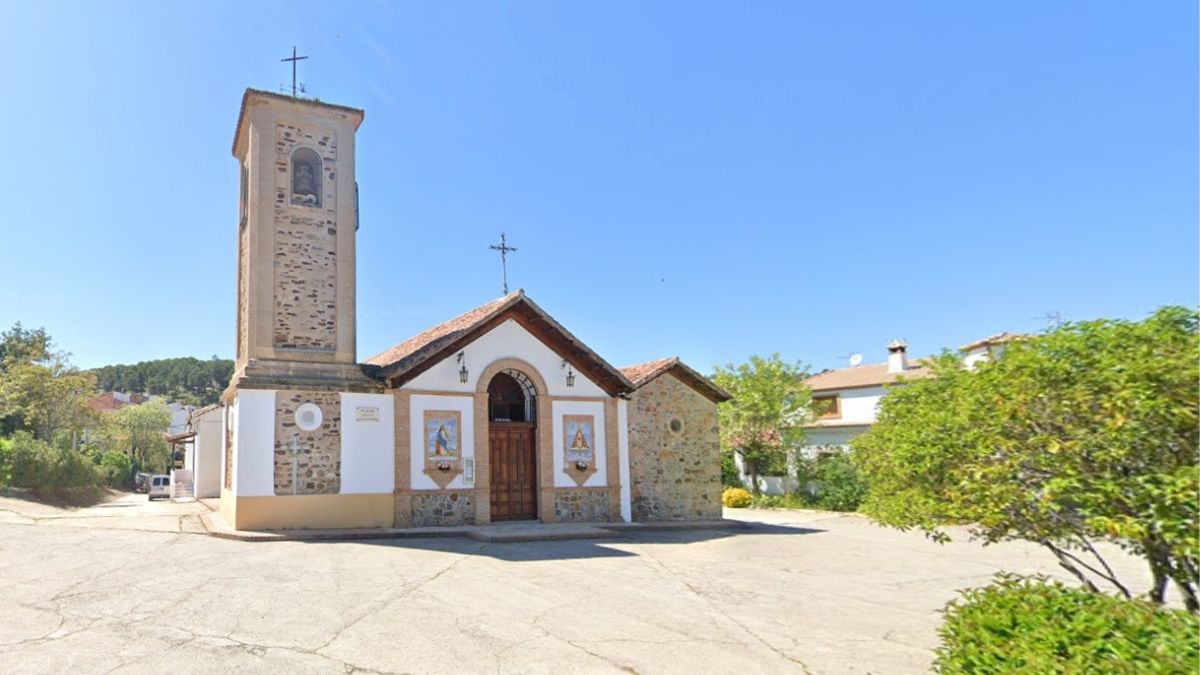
296 235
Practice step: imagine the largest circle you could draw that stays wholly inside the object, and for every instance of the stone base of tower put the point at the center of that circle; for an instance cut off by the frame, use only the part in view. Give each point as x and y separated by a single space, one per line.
304 450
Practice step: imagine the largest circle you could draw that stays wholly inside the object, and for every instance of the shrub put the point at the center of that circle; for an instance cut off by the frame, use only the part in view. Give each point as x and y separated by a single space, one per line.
1029 625
38 465
831 482
729 471
115 469
5 462
736 498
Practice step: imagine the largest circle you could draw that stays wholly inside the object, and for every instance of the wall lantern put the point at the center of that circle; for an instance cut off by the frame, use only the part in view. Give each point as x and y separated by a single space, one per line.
570 373
462 372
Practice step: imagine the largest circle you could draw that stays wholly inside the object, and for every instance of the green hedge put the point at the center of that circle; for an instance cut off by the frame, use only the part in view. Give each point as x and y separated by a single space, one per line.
29 463
831 482
1030 625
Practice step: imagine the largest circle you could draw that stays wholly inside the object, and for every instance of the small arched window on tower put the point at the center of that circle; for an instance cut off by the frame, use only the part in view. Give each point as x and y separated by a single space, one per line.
306 177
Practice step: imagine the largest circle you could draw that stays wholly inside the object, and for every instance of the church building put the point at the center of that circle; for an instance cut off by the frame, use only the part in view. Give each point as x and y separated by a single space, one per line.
499 414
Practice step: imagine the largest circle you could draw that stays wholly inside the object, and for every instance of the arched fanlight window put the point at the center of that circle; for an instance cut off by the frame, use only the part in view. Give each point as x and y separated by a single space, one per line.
512 398
306 177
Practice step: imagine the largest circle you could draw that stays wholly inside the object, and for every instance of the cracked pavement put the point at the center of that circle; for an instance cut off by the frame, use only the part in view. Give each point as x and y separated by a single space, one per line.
132 587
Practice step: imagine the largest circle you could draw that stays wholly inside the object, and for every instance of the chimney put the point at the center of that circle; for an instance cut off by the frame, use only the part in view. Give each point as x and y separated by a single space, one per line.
897 356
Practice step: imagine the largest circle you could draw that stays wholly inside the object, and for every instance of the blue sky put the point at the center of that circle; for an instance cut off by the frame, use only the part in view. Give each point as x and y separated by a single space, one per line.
712 180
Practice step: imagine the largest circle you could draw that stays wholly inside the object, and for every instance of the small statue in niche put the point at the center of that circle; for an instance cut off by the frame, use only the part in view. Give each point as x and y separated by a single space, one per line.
306 184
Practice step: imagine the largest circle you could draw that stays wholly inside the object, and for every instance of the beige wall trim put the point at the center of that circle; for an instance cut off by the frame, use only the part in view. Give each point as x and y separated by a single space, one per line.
312 512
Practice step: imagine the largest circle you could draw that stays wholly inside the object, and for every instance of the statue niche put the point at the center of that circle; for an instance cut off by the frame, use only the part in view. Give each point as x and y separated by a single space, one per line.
306 178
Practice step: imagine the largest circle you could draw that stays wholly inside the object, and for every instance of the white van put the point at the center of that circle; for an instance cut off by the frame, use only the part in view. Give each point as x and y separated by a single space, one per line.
160 486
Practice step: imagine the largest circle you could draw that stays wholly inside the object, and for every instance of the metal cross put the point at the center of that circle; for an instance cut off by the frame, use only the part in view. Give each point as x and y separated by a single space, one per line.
504 249
294 59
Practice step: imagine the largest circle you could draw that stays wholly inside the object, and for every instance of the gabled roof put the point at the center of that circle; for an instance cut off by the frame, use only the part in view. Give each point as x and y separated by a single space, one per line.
997 339
643 373
421 352
858 377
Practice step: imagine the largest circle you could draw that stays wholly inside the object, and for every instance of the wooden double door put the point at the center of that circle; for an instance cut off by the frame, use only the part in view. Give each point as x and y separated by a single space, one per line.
512 456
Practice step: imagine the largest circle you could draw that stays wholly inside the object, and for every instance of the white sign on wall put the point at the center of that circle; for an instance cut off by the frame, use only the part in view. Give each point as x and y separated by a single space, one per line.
366 414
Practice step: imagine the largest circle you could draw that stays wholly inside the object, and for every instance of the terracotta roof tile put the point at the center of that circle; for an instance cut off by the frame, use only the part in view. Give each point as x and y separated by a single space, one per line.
441 334
871 375
997 339
415 355
643 373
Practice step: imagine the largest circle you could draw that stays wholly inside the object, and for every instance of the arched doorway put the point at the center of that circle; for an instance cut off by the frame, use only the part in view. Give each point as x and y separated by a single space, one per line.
512 446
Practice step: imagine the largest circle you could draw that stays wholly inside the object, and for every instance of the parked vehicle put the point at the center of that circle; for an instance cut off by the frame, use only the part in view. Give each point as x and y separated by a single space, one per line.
141 481
160 486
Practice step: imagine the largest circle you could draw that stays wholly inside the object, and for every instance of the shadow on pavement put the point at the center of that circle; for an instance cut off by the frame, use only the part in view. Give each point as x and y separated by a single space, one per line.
573 549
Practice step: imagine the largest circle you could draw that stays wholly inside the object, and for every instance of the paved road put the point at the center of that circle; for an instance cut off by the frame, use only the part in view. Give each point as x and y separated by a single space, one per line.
132 587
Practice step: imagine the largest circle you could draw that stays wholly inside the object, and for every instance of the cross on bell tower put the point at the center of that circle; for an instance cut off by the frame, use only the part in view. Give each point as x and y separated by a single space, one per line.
294 59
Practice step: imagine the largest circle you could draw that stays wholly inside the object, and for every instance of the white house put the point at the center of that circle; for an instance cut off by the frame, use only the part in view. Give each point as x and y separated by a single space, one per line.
204 460
846 400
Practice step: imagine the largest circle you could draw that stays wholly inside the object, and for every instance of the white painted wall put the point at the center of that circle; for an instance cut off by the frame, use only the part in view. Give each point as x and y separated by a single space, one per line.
859 406
508 340
368 447
227 425
254 439
828 438
557 410
207 463
623 460
418 404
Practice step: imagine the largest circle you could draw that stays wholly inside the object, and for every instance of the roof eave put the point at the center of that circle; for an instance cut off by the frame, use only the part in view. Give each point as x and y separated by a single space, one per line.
403 370
357 114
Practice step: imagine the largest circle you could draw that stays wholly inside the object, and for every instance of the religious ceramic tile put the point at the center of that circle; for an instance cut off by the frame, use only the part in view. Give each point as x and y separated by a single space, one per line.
579 447
442 434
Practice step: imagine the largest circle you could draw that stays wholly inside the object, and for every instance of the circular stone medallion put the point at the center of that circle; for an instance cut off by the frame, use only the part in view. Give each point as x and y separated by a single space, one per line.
308 417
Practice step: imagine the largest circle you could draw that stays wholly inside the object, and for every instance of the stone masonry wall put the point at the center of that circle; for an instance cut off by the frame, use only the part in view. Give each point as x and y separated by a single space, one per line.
674 475
319 464
581 505
305 249
444 510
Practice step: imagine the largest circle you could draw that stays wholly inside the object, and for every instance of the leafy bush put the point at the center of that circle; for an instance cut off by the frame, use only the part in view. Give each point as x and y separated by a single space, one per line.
729 471
115 469
736 498
38 465
5 462
1029 625
831 482
1084 433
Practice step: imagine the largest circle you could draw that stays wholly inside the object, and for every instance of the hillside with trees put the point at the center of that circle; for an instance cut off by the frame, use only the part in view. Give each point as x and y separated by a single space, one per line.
187 379
52 439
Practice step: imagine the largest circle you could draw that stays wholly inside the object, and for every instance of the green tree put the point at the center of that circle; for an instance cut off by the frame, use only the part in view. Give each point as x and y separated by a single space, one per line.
47 395
1084 433
19 345
187 380
23 345
137 430
762 421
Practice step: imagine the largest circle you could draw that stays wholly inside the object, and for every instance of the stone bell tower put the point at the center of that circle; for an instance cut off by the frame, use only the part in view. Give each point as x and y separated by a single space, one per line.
296 229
